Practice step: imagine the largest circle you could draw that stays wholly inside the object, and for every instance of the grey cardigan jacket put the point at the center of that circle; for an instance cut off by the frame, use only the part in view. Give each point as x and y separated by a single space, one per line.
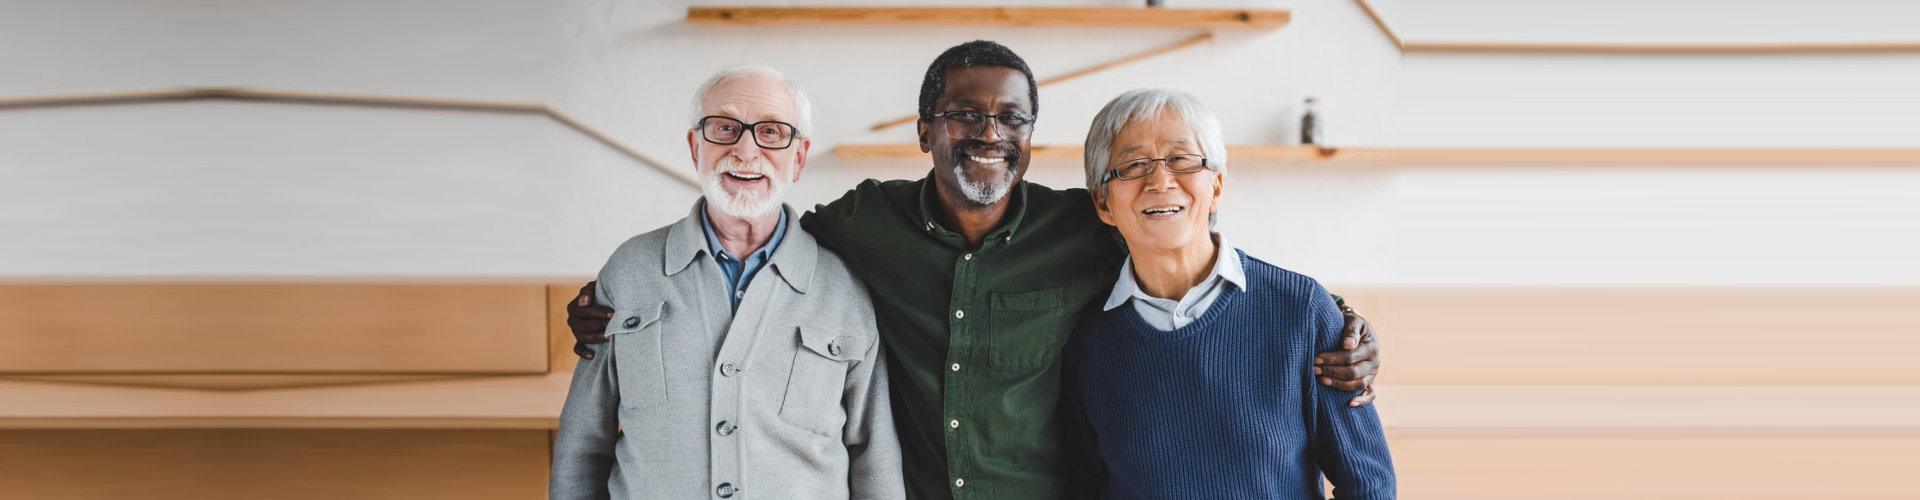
786 398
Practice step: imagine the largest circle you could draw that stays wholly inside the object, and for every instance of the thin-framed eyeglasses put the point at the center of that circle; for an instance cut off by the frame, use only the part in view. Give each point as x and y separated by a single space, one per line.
727 131
1142 167
970 124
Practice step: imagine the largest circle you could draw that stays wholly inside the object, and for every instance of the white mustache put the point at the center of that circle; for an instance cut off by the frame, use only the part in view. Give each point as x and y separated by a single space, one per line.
759 166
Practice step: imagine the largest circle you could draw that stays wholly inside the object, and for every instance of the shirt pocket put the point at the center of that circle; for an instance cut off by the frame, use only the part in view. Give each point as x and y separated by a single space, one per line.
818 380
1026 330
639 368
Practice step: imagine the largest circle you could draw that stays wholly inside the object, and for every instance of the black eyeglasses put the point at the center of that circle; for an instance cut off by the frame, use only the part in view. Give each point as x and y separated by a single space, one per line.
1142 167
968 124
768 134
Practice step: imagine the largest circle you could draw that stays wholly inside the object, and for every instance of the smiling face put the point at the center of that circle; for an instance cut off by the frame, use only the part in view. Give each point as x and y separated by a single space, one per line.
979 167
1163 211
743 179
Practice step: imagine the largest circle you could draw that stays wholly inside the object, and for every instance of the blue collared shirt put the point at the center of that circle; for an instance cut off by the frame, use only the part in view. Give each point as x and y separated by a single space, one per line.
737 273
1168 315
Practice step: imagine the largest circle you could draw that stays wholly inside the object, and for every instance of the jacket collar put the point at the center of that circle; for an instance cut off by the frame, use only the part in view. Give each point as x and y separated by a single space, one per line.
793 261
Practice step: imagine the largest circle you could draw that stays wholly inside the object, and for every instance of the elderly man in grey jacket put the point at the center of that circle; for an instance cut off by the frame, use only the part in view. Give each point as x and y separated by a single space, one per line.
743 357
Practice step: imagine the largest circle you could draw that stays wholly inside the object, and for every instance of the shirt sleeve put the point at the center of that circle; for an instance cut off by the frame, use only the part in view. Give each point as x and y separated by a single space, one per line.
1088 471
873 449
1349 444
832 222
589 429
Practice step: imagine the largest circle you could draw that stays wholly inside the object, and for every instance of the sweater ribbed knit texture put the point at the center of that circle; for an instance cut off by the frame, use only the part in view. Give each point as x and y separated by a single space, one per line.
1226 407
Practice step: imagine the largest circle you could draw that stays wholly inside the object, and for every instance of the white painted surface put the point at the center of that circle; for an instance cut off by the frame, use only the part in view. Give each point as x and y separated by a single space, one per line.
261 190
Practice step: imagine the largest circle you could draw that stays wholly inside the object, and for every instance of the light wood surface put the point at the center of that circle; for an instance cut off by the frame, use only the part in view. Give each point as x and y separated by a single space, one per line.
1489 157
278 464
1127 17
1613 467
1656 49
1604 335
272 328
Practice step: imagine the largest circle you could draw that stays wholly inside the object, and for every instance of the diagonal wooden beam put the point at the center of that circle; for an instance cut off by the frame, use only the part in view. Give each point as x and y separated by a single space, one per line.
683 175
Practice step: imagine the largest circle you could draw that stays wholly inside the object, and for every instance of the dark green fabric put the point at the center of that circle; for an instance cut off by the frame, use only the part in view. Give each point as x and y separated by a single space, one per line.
1018 299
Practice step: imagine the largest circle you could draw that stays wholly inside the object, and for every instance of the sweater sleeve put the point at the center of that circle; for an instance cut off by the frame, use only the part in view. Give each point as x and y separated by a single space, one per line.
1349 444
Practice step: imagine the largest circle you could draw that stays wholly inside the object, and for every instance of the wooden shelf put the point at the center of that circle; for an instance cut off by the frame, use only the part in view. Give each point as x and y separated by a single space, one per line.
996 16
1468 157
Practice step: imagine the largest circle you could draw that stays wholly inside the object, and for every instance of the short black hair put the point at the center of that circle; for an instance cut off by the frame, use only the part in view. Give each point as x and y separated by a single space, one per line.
977 53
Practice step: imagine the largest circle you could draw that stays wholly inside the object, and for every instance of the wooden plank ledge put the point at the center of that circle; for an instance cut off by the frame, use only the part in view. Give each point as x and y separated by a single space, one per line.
1124 17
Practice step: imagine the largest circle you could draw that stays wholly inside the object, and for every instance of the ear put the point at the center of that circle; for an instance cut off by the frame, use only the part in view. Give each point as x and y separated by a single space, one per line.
693 149
920 128
1100 207
1219 188
800 162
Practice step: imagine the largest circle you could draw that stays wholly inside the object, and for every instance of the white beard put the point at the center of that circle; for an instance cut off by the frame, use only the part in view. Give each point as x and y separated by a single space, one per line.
984 193
744 205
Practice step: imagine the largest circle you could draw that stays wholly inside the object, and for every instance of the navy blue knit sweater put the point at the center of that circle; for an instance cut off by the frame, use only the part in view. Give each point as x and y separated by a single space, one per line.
1226 407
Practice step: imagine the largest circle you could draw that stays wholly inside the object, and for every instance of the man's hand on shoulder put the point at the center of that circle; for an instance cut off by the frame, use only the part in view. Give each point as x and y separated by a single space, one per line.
588 320
1353 367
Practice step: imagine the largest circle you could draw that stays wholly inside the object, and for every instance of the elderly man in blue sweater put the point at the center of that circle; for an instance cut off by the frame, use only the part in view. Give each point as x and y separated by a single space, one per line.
1195 377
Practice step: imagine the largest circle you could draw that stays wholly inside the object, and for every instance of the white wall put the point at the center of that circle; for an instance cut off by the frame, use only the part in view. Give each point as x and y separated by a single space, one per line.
249 189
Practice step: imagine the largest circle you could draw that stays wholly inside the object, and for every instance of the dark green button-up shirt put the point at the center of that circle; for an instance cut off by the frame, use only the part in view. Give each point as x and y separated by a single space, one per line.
976 332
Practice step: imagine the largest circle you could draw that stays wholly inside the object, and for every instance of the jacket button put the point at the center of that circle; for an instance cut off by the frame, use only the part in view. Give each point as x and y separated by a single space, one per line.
834 348
632 322
726 490
728 369
725 428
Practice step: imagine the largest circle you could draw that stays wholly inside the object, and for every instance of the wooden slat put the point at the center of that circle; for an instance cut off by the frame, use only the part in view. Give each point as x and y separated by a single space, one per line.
269 328
1487 157
490 402
279 464
1538 335
229 382
1655 49
1673 410
995 16
1608 468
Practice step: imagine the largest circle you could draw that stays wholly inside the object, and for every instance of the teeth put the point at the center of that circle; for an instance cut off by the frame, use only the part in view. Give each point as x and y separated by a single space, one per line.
746 177
1159 211
985 159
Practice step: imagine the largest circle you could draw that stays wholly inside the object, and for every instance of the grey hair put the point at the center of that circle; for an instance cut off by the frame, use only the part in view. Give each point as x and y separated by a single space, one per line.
803 126
1144 105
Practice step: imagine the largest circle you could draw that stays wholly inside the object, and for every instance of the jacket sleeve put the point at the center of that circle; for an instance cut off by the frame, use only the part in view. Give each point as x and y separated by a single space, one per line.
873 449
1348 443
589 429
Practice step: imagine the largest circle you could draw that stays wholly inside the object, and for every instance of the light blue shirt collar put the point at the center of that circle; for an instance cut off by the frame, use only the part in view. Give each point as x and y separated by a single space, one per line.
737 272
1226 266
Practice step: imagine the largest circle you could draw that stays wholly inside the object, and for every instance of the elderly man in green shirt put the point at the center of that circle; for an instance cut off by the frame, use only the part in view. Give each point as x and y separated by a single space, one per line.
977 280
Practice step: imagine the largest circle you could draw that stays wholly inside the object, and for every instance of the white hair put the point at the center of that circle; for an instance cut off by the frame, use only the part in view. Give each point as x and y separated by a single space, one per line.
803 124
1145 105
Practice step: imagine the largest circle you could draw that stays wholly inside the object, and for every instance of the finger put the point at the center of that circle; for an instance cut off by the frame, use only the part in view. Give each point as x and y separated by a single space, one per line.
582 351
1333 358
1352 333
584 326
1365 398
1368 351
1354 372
598 312
1344 385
